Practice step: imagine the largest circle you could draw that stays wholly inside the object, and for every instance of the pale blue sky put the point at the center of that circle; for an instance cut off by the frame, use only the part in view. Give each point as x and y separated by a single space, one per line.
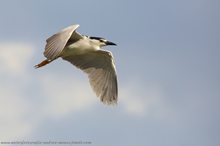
167 61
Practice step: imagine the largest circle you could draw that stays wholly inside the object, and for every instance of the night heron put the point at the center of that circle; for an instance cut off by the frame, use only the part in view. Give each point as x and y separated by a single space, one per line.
86 54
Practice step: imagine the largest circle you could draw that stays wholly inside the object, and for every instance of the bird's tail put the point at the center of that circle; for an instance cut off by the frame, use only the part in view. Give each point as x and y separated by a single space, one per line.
43 63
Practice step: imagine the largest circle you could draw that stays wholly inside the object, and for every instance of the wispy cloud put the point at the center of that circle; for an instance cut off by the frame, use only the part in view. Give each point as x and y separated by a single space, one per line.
61 94
65 94
12 115
15 56
138 101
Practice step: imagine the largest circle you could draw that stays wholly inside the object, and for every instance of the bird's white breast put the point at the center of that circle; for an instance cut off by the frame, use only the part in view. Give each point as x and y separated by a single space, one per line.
80 47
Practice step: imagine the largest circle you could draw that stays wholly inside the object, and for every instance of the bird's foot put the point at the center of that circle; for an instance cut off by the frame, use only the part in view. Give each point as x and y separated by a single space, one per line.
43 63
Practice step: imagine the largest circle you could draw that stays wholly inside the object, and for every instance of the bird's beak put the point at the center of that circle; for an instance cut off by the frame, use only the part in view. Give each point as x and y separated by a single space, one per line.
110 43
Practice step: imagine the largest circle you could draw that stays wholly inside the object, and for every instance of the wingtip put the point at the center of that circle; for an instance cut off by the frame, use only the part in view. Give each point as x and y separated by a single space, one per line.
111 101
74 25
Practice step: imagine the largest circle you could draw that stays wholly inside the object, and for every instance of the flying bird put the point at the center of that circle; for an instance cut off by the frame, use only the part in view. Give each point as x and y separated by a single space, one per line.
86 53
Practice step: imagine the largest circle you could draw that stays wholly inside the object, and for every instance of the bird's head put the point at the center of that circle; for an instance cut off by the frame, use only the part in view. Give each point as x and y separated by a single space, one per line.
101 42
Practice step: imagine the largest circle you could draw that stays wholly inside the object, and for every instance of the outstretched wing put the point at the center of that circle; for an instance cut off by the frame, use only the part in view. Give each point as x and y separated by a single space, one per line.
57 42
99 66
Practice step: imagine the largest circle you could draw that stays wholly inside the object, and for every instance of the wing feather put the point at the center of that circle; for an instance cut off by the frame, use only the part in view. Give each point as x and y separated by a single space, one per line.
57 42
99 66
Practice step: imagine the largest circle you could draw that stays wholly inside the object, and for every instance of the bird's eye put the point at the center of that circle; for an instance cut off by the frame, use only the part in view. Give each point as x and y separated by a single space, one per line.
102 40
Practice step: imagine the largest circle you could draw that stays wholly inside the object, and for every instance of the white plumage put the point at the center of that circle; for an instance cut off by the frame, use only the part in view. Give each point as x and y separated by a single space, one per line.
86 54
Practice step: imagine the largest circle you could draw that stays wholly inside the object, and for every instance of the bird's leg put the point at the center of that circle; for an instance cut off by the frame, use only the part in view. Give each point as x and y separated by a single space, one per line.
43 63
